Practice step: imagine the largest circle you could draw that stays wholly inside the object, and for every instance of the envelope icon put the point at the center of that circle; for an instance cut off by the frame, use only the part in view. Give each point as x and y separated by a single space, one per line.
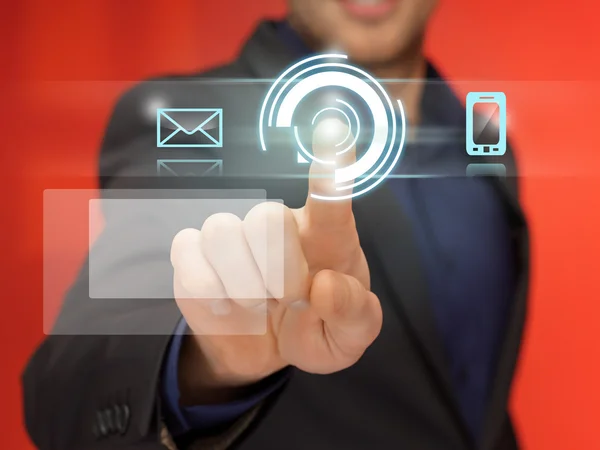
189 167
189 128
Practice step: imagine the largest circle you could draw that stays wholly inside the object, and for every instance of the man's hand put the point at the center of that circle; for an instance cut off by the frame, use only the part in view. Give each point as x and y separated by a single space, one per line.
327 316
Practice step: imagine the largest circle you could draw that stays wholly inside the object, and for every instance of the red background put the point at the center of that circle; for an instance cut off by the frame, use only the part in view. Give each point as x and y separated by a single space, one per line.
51 140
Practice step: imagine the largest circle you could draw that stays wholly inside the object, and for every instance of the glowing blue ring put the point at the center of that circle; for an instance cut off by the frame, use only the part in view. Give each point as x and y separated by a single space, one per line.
391 113
382 177
281 77
341 152
341 174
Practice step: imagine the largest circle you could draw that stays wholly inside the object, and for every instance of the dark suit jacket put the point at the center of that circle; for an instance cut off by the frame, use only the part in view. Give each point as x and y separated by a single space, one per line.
102 391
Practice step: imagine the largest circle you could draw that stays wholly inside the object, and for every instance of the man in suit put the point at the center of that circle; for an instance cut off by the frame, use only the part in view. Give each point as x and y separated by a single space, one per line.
402 311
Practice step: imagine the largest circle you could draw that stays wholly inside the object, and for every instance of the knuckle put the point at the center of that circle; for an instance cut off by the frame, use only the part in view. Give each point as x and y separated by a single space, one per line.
219 225
267 223
186 286
188 283
267 211
199 286
184 239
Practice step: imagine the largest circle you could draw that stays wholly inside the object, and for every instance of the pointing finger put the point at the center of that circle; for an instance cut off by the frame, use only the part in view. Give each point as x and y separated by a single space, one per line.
330 156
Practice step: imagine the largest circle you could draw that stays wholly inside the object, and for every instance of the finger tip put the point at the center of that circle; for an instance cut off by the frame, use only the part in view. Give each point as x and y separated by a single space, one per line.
329 132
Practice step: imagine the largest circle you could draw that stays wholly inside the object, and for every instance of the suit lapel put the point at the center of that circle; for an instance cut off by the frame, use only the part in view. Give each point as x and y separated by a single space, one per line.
391 237
496 413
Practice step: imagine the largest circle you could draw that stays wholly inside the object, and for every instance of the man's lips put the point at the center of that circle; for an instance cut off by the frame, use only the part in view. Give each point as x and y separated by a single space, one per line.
369 9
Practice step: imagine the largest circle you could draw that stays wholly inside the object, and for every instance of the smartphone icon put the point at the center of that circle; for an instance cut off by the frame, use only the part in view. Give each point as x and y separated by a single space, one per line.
486 123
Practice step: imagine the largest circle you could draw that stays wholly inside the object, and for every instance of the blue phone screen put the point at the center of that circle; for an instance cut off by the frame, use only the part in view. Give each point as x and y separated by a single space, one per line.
485 130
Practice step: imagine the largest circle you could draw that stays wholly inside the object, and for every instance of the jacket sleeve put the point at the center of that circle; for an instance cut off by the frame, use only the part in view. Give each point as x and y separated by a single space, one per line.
222 441
94 382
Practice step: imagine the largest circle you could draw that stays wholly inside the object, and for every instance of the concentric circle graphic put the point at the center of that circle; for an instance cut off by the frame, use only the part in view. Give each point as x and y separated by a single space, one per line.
322 76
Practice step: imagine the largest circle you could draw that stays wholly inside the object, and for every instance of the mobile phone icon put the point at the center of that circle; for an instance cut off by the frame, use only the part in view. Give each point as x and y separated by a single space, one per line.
486 123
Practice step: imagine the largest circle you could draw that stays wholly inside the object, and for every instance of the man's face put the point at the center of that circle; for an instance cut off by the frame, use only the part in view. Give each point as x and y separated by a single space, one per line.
369 31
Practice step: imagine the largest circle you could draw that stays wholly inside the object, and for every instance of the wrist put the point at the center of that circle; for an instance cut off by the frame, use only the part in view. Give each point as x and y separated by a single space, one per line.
202 381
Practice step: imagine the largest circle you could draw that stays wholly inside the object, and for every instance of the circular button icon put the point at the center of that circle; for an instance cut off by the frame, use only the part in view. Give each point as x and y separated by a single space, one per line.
330 77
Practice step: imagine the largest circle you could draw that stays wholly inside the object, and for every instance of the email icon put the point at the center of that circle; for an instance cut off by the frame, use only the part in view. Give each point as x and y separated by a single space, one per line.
189 128
189 167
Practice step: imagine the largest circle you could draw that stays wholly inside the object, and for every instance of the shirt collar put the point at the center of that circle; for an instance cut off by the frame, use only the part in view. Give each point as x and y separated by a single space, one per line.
292 39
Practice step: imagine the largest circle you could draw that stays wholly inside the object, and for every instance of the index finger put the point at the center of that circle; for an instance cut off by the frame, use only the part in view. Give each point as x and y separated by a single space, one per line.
322 208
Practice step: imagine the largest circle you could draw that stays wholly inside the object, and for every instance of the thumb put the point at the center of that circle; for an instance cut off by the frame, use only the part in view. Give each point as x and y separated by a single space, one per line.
351 315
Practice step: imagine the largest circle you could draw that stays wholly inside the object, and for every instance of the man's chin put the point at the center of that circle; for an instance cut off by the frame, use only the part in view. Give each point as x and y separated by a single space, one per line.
382 49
